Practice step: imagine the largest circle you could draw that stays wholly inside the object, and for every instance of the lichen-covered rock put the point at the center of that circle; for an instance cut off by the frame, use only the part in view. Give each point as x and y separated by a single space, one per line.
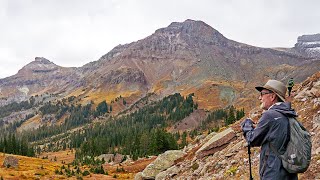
163 162
138 176
168 174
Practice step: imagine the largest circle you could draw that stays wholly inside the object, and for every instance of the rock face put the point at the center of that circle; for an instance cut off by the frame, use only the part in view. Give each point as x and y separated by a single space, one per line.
11 161
309 45
216 143
163 162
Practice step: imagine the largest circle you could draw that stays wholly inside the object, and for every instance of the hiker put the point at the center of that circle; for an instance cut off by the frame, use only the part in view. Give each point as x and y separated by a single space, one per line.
271 130
290 84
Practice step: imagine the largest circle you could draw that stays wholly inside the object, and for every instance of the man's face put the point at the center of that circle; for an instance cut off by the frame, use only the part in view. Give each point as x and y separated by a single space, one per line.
266 99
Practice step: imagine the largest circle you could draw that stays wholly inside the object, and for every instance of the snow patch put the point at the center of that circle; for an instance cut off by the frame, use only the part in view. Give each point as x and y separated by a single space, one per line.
310 43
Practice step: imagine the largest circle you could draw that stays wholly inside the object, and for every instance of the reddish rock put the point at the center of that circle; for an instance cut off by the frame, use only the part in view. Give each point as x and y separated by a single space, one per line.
216 143
118 158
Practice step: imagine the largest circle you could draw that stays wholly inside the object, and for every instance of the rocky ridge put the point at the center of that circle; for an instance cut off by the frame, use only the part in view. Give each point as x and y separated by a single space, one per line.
309 45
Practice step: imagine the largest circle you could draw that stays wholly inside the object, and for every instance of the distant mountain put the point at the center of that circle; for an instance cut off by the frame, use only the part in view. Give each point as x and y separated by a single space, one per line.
309 45
36 78
185 57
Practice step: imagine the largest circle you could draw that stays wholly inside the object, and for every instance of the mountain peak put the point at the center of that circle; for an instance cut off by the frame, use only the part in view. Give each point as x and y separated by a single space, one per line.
42 60
40 64
178 38
192 28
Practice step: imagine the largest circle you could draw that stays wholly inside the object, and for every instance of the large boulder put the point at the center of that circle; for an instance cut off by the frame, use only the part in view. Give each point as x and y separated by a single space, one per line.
216 143
118 158
11 161
168 174
138 176
163 162
107 157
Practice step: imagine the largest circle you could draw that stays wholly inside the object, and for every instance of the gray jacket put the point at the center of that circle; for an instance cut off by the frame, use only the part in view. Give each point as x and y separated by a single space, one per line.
273 128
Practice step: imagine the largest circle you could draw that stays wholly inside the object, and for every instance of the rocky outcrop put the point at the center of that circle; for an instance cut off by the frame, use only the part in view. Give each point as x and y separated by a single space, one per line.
125 75
309 45
107 157
216 143
11 161
111 158
163 162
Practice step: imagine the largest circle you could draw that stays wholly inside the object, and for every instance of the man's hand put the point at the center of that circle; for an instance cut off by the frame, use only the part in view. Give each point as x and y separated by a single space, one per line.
246 126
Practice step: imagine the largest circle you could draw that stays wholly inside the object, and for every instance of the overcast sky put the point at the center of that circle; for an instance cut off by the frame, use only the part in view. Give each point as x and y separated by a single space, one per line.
75 32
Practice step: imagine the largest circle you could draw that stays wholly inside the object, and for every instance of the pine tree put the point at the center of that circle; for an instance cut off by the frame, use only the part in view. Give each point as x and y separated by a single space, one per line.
102 108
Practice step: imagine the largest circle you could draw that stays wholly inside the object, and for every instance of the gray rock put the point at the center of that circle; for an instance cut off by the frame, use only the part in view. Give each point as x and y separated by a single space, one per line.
316 119
11 161
205 168
163 162
106 157
236 147
138 176
316 152
168 174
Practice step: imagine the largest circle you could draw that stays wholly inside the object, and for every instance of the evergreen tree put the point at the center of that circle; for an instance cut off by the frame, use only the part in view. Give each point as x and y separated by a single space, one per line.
102 108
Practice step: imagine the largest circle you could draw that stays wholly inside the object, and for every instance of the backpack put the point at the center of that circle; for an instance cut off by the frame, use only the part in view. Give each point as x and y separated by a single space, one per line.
290 83
297 156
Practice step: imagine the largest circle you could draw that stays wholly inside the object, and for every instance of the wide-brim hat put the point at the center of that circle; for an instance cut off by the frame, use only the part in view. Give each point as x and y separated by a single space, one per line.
275 86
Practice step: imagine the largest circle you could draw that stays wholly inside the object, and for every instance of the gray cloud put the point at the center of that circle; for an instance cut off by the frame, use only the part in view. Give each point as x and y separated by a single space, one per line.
75 32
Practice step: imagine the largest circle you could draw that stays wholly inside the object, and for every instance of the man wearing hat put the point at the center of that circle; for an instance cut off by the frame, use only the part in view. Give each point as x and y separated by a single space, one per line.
272 130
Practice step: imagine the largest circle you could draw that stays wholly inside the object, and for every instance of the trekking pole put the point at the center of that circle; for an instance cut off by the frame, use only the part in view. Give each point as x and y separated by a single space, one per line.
249 153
